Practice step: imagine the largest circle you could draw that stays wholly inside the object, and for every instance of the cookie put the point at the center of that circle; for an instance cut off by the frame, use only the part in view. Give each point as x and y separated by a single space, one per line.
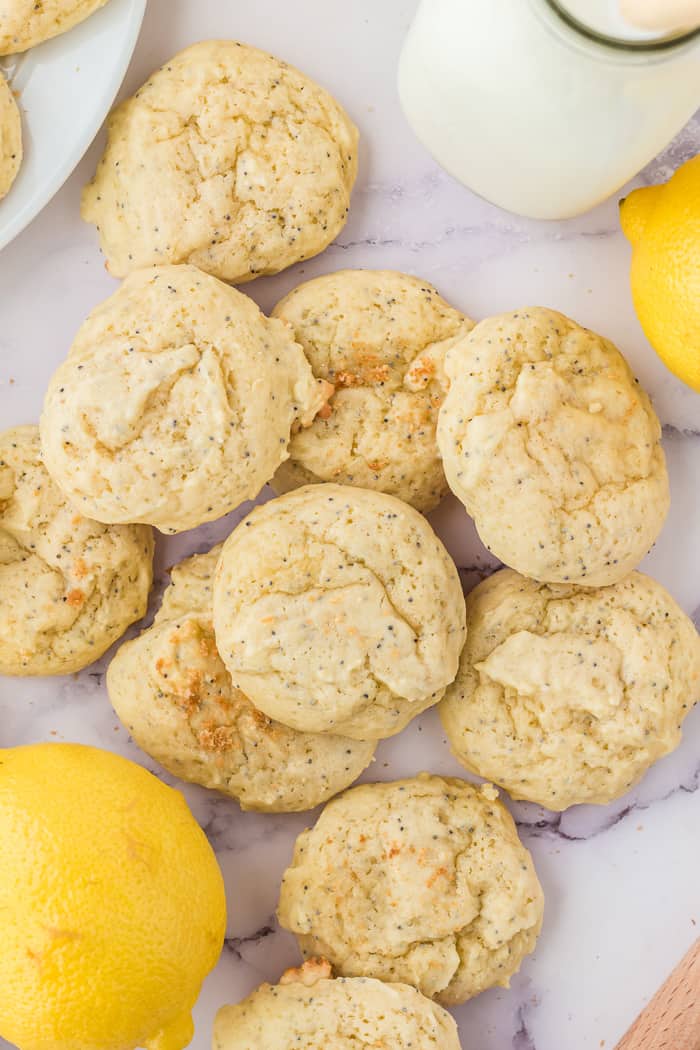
10 137
310 1010
422 880
380 338
69 586
26 23
567 695
176 402
226 158
338 610
173 693
554 449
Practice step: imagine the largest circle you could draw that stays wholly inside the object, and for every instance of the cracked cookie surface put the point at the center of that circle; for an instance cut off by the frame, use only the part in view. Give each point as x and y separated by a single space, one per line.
226 158
69 586
172 691
313 1011
26 23
567 695
380 338
337 609
422 880
176 402
554 448
10 137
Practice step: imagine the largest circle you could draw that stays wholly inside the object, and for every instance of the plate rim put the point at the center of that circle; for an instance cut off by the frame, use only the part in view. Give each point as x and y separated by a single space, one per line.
46 191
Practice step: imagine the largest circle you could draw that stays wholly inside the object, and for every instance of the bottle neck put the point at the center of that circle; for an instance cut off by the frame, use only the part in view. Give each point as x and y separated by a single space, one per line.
602 21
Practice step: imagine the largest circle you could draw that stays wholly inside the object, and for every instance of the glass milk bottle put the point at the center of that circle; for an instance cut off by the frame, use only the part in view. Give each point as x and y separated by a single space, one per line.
545 107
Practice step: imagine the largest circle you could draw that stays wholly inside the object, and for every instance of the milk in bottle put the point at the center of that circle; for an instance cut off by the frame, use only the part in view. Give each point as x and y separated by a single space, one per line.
542 107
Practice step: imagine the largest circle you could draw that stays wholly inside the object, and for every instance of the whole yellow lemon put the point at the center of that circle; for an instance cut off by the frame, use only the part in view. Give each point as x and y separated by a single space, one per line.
112 907
663 225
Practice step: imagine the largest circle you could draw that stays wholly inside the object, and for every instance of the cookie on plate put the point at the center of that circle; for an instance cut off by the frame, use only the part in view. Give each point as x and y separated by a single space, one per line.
26 23
422 880
226 158
69 586
567 694
554 448
338 610
380 338
10 137
173 693
176 402
310 1010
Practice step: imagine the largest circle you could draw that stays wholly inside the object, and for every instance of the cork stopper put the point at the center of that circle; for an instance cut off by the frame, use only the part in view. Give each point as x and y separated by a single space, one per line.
637 22
664 16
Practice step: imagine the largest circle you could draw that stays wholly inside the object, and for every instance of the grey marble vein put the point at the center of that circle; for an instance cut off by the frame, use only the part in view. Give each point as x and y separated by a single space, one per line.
551 825
522 1039
508 232
236 944
678 433
683 147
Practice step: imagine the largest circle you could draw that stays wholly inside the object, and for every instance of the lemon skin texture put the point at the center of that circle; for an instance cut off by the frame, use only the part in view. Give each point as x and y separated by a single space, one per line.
112 905
663 225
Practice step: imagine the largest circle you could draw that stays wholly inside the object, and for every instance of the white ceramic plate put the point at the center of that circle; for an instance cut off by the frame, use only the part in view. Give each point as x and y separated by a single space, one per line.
65 89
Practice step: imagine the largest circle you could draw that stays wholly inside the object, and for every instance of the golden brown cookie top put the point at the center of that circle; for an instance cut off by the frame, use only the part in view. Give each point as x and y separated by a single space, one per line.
227 158
311 1010
337 609
170 688
69 586
176 402
380 339
422 880
554 448
567 695
26 23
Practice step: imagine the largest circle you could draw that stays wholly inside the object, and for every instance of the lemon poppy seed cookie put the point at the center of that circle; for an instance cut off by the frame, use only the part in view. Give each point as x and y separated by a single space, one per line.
310 1010
226 158
553 448
422 880
566 694
380 338
10 137
26 23
176 402
171 690
338 610
69 586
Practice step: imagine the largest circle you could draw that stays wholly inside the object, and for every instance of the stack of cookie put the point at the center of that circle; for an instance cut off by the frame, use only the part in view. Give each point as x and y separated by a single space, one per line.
333 614
24 24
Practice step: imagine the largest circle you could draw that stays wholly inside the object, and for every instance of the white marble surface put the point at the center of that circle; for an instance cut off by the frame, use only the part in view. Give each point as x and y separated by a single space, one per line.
621 881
